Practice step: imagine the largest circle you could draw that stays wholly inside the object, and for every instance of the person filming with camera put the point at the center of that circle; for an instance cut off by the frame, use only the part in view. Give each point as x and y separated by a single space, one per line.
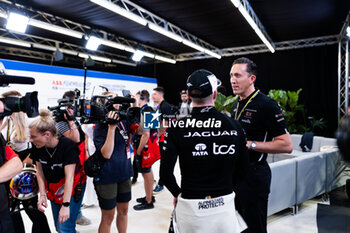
113 188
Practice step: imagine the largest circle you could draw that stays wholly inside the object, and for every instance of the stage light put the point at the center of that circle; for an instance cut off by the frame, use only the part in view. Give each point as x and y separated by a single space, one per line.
211 53
164 32
252 23
14 42
193 45
93 43
55 28
165 59
138 55
17 22
116 9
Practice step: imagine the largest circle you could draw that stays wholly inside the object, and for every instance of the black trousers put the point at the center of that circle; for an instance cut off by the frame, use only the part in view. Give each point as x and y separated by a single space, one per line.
252 197
6 225
38 218
135 170
161 144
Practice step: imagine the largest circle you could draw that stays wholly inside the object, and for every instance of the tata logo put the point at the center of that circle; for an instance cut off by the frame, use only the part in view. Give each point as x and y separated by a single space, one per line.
200 150
151 120
223 149
200 146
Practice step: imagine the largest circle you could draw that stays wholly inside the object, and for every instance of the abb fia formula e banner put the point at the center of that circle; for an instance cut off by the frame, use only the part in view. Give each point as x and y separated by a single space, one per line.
52 81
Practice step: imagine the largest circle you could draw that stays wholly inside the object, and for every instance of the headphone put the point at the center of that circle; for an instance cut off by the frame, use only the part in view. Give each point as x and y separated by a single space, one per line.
142 97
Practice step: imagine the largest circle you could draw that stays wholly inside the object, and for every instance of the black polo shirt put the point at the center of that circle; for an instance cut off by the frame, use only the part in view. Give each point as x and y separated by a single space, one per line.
262 120
165 110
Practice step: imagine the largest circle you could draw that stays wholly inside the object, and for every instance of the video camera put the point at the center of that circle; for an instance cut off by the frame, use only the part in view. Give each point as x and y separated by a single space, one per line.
59 111
28 104
96 109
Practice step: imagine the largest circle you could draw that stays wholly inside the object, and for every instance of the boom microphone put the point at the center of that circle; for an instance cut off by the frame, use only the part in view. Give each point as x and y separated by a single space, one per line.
7 79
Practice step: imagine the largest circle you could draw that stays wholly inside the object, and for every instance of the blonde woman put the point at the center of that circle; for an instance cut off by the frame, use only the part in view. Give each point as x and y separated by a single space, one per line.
15 132
58 166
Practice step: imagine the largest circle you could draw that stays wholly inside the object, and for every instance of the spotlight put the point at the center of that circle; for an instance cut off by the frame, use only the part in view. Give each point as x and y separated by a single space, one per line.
93 43
17 22
137 56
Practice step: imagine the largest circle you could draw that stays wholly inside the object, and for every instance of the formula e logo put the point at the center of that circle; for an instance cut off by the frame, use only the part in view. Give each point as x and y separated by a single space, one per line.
223 149
151 120
200 150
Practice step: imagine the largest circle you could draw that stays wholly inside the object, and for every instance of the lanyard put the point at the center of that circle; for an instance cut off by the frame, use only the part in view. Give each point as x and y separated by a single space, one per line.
237 117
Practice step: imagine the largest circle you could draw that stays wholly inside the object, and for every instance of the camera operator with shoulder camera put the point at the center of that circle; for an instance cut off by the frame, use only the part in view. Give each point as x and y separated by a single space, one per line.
69 128
10 165
114 185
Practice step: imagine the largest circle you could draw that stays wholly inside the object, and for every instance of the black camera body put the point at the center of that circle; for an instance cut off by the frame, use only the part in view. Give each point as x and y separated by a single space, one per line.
59 111
96 110
28 104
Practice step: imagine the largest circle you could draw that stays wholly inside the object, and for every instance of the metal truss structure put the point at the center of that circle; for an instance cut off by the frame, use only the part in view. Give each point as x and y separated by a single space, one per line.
343 71
81 31
261 48
162 23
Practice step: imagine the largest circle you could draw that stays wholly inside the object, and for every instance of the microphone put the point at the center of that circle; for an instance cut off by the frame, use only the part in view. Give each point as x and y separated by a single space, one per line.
7 79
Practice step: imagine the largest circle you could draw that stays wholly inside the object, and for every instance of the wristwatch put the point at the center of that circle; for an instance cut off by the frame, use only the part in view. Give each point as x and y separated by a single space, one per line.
252 145
66 204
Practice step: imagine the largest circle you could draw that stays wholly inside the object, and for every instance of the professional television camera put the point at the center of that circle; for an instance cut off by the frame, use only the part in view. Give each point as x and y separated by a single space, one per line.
59 111
28 104
96 109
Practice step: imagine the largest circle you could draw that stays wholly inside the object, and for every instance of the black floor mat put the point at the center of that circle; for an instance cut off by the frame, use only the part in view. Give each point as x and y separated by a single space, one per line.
334 218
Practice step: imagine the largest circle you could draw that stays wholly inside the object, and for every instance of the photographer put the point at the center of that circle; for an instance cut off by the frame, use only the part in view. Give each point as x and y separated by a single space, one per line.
10 165
58 172
15 131
72 130
114 186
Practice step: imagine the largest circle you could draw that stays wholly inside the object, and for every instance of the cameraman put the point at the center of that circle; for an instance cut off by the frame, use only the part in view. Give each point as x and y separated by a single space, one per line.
10 165
114 186
72 130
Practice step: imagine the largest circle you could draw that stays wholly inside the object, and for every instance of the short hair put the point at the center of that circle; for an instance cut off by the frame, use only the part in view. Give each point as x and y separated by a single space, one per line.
160 90
144 94
70 95
44 123
252 68
109 93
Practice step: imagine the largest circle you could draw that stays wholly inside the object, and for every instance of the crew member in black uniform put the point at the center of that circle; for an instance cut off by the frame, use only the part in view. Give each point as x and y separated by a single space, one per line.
213 158
266 132
165 109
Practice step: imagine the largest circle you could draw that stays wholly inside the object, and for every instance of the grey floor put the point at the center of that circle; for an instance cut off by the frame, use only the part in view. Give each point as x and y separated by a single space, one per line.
157 220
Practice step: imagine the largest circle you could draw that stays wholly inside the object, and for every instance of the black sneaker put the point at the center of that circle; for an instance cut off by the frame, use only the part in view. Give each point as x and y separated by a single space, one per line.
143 199
144 206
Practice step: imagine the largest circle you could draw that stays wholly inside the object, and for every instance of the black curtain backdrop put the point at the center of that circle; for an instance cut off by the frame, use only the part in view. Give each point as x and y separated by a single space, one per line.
315 70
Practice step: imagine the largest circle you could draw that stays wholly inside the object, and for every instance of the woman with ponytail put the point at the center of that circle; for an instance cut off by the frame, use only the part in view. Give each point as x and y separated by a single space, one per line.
58 167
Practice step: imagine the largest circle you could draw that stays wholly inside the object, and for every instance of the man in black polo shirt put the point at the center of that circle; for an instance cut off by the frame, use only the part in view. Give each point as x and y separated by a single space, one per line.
266 132
165 109
213 159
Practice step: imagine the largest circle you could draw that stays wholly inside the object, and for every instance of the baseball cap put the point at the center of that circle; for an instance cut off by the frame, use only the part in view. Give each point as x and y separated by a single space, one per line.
183 92
204 81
